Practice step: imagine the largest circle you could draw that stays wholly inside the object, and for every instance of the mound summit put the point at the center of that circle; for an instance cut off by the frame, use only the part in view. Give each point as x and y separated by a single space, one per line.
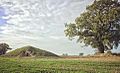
30 51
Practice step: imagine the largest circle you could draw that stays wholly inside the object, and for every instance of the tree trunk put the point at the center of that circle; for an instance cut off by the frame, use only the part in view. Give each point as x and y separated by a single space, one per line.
101 50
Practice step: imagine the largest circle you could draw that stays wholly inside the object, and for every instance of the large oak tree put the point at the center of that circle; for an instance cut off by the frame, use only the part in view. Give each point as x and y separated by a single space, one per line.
98 26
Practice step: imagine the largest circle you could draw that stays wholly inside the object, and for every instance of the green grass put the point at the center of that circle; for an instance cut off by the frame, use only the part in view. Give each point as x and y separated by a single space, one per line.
34 65
20 52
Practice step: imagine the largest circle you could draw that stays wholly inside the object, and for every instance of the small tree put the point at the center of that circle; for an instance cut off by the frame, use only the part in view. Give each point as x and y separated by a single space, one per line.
99 26
81 54
65 54
3 48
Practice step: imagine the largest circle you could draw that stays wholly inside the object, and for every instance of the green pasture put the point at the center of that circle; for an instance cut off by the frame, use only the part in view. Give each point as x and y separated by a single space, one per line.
35 65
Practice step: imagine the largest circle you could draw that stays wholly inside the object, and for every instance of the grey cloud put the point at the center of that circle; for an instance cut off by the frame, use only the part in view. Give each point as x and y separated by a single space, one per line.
41 23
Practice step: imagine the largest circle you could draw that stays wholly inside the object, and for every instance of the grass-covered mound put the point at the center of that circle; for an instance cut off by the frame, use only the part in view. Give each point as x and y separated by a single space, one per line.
30 51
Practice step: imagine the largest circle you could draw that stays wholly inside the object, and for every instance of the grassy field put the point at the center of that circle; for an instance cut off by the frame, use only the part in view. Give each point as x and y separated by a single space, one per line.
35 65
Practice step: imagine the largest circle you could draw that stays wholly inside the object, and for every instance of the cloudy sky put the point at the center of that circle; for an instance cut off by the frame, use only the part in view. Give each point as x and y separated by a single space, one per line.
40 23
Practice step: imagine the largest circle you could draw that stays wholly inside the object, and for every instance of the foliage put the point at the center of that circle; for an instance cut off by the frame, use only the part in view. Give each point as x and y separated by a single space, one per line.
3 48
81 54
99 26
64 54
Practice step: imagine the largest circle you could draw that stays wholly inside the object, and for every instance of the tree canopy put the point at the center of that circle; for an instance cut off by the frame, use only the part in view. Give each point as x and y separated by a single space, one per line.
98 26
3 48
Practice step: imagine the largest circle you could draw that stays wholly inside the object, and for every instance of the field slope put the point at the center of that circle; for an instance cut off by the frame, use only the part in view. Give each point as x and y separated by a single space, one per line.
35 65
30 51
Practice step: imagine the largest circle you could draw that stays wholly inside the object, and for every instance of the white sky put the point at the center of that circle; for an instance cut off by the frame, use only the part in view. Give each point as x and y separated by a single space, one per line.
40 23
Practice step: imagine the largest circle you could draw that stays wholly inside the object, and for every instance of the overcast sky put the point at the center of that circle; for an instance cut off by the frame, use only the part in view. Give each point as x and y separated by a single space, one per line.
40 23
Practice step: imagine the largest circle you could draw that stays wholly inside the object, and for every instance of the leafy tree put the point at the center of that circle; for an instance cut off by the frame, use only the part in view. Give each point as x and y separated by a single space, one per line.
65 54
98 26
81 54
3 48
